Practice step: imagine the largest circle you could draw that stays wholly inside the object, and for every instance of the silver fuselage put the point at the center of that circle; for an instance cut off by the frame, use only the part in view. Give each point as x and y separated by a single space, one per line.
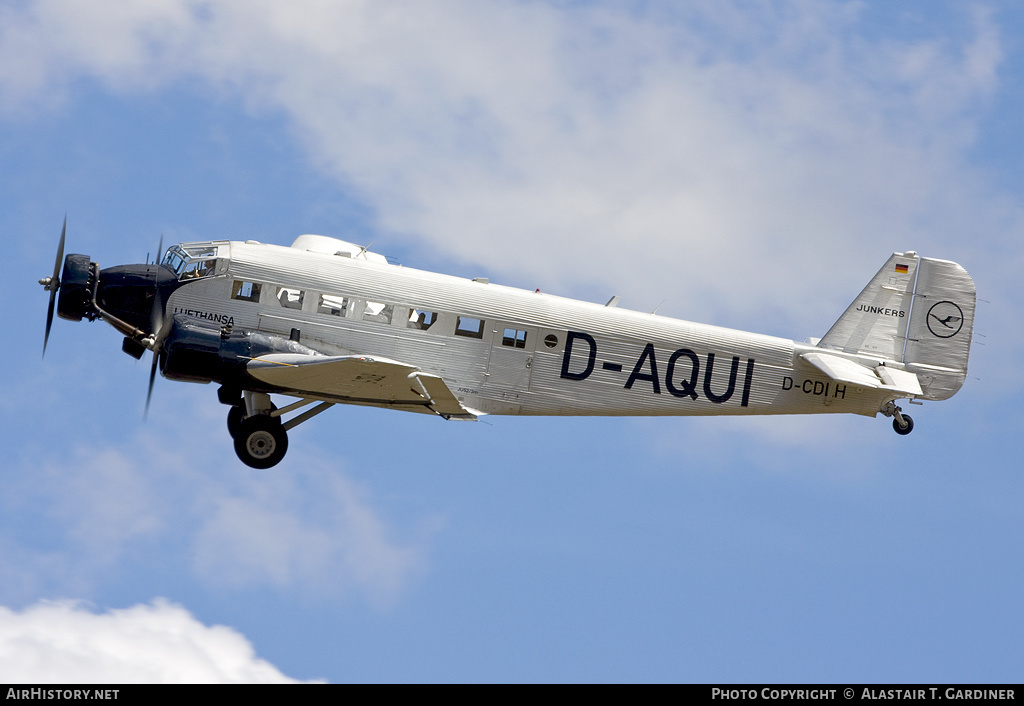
576 358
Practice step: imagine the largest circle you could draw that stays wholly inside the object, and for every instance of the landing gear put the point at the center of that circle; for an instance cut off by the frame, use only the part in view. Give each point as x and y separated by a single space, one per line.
902 424
260 440
256 425
906 427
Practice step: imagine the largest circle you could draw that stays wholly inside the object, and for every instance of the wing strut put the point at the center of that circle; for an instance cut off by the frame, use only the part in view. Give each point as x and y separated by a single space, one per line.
305 416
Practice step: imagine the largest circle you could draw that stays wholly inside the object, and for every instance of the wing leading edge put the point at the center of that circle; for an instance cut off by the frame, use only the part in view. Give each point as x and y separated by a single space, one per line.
361 380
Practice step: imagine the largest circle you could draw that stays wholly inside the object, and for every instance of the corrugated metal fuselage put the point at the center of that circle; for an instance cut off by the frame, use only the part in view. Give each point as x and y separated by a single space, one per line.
537 354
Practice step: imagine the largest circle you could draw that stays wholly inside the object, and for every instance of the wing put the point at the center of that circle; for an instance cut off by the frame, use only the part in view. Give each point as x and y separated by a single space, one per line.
879 377
359 380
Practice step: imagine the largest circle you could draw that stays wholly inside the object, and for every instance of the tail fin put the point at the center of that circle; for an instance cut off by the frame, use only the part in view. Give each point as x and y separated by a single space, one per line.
918 311
876 323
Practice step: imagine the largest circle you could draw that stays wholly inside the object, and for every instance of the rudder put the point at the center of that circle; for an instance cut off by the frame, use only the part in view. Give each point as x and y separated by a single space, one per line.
941 327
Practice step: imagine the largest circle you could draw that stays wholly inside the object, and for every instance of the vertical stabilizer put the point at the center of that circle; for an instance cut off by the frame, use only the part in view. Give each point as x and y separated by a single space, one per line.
941 327
877 320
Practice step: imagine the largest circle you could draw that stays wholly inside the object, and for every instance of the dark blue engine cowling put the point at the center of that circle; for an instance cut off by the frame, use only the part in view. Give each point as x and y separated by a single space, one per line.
128 292
125 292
196 351
77 282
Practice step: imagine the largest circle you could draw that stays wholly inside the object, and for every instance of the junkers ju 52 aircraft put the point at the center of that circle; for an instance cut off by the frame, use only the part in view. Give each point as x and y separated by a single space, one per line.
328 322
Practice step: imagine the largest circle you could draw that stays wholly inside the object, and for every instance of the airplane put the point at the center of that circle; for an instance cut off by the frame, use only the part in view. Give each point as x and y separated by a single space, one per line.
326 322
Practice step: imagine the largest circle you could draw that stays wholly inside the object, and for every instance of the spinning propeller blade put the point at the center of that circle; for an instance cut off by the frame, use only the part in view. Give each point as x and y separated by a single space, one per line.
156 327
54 283
152 379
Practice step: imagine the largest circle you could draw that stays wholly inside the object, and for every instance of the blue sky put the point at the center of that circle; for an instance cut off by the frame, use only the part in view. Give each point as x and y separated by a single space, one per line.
751 164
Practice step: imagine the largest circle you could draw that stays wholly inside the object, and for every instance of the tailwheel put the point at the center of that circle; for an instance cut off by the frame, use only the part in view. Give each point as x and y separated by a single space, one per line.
260 441
903 424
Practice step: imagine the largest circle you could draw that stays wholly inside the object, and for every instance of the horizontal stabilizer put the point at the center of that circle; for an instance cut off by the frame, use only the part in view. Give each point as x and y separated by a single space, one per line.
880 377
361 379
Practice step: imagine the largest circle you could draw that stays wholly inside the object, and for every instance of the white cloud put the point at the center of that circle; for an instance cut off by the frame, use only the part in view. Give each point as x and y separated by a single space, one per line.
750 165
700 153
64 642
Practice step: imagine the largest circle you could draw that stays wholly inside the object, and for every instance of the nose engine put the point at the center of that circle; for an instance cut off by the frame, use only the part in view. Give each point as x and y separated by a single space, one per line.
128 297
78 281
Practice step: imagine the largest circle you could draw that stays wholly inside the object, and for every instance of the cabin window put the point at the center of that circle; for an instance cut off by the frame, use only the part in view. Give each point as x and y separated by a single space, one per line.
290 298
375 311
246 291
471 328
420 319
332 304
514 338
551 340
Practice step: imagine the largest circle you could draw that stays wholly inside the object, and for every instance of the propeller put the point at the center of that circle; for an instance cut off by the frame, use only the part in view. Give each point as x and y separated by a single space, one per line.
152 379
157 322
52 283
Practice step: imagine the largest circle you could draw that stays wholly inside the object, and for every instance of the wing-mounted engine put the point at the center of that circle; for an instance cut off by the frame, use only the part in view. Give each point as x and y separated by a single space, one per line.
195 350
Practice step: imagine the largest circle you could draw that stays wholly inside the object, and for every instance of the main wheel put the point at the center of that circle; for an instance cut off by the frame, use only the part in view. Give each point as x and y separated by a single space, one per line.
906 427
261 441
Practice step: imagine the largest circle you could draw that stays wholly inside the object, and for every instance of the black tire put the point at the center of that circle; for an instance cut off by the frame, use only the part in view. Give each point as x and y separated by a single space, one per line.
235 415
261 441
906 428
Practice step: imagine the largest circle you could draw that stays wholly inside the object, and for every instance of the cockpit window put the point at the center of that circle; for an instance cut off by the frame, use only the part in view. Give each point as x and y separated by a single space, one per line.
200 251
192 262
174 259
198 268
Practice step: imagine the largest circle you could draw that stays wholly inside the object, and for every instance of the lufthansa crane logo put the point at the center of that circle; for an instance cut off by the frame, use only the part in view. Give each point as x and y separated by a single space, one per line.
945 319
